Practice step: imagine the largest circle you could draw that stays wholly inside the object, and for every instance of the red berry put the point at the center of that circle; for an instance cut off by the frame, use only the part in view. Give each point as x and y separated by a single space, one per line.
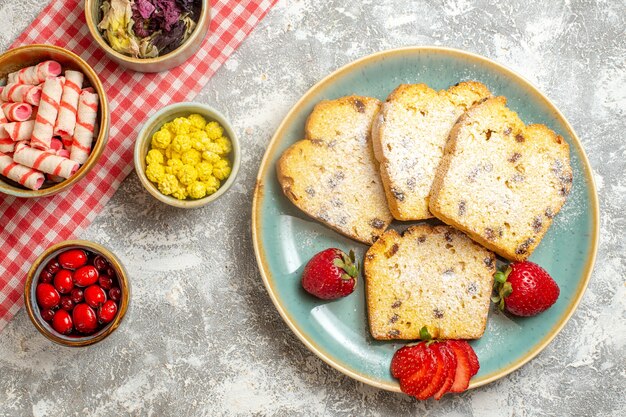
115 294
47 314
100 263
463 371
64 281
86 276
53 266
105 281
330 274
45 276
47 296
111 272
66 303
107 312
73 258
95 296
76 295
62 322
84 318
525 289
450 359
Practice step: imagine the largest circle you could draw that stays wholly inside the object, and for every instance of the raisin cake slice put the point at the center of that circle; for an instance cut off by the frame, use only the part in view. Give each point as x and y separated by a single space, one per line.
332 175
409 137
500 181
433 276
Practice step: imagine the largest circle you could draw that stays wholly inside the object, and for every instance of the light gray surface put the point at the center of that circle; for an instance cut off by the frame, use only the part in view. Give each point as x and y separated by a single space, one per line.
203 338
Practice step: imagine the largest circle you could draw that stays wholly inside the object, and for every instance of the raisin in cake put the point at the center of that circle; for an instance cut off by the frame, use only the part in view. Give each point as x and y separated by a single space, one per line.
500 181
429 276
409 137
332 174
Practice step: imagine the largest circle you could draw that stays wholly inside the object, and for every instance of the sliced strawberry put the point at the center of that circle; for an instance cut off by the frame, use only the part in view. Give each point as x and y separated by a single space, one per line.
450 359
473 359
415 383
463 373
438 375
407 360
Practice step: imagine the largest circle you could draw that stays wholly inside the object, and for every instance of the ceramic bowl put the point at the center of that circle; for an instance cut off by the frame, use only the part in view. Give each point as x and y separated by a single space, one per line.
171 60
33 308
167 114
25 56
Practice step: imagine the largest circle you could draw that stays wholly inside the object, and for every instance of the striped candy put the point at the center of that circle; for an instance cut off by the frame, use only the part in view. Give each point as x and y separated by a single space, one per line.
66 121
85 126
18 131
21 93
44 161
36 74
47 113
25 176
17 112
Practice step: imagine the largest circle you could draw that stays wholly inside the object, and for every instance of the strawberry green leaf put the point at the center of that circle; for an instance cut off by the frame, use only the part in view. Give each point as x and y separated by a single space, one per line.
424 335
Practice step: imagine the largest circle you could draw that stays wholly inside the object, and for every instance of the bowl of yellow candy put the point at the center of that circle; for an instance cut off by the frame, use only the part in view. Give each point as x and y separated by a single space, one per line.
187 155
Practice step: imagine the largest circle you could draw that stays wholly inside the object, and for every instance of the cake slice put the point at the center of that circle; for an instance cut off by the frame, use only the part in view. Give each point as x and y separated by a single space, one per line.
500 181
433 276
409 137
332 174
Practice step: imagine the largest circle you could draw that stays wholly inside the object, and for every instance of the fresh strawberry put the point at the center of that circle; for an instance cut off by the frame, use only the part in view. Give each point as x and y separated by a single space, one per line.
473 359
432 368
413 383
451 366
525 289
438 375
330 274
463 367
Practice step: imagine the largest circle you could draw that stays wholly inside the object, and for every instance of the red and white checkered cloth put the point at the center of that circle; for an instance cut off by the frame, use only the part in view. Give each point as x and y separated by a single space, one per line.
29 226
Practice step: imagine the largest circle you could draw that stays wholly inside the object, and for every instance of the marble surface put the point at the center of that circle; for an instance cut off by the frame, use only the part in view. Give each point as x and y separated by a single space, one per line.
202 336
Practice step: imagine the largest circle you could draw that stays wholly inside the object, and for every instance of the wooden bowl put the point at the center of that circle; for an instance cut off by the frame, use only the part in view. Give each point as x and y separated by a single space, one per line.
168 61
26 56
34 311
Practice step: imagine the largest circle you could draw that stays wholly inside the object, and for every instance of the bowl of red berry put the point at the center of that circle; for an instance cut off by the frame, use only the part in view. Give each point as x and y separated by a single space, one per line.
76 293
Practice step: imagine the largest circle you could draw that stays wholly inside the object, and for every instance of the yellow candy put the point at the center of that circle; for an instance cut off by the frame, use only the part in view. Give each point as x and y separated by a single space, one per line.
221 169
191 157
210 157
181 143
205 170
196 189
180 126
187 174
225 144
197 121
155 172
187 157
214 130
199 140
161 139
180 193
168 184
154 157
212 185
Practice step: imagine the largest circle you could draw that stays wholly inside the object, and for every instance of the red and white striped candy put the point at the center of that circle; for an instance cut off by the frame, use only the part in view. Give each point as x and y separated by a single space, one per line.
19 130
44 161
17 112
21 93
28 177
36 74
85 126
6 143
47 113
69 102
